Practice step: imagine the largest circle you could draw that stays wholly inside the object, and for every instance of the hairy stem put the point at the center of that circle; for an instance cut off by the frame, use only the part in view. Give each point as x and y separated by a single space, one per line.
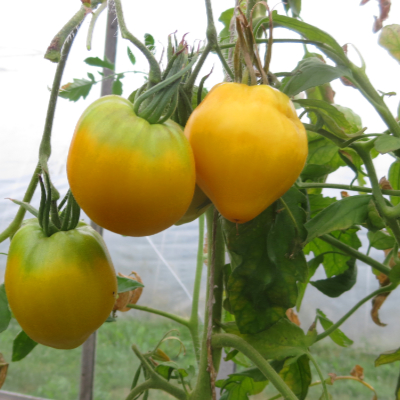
335 326
93 21
155 71
228 340
355 253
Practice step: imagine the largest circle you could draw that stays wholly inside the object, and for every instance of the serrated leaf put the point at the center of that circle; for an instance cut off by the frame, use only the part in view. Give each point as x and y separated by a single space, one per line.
341 215
381 240
74 91
149 42
22 346
388 357
318 203
312 72
126 284
394 179
117 87
339 284
266 260
5 313
337 336
352 118
98 62
297 375
131 56
334 261
284 339
386 143
390 40
225 18
240 387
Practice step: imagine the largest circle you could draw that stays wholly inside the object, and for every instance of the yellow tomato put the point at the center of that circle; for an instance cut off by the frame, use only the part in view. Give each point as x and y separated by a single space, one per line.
249 148
60 288
129 176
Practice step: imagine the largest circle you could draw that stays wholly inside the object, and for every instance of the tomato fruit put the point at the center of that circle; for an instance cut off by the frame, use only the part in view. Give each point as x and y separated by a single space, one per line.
249 147
129 176
199 205
60 288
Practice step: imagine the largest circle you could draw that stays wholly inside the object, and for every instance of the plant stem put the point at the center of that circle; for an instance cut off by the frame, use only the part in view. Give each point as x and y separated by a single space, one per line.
53 52
385 289
236 342
16 222
310 185
192 78
156 381
355 253
312 359
165 314
93 21
155 71
194 315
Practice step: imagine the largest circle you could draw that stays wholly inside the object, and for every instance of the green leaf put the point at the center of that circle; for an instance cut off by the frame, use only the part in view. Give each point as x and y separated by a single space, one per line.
394 179
22 346
239 387
297 375
126 284
284 339
312 72
334 261
91 77
117 87
28 207
313 171
334 119
225 18
337 335
352 118
266 260
5 313
388 357
302 286
318 202
74 91
98 62
330 46
131 56
166 368
149 42
381 240
390 40
337 285
342 214
386 143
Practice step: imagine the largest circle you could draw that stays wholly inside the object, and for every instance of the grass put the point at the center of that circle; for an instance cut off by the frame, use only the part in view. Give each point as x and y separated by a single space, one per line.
54 374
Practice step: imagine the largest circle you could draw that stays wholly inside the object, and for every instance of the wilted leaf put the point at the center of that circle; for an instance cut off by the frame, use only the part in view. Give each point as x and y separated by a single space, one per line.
3 370
358 372
390 40
337 285
376 305
297 375
22 346
388 357
337 335
340 215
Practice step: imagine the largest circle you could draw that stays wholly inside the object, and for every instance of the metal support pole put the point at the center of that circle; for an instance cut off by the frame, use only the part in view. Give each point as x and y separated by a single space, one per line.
89 347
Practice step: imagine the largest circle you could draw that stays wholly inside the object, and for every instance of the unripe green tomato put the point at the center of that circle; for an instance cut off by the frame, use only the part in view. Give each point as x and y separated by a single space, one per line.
129 176
249 146
60 288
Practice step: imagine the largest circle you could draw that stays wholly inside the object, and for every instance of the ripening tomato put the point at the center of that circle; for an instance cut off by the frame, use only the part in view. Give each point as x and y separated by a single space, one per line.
129 176
249 147
60 288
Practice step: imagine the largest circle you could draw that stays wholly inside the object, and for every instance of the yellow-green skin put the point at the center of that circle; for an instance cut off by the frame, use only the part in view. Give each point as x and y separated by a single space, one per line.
60 288
130 177
249 148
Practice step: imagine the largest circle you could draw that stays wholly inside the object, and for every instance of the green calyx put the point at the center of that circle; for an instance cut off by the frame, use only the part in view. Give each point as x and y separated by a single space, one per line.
53 218
159 103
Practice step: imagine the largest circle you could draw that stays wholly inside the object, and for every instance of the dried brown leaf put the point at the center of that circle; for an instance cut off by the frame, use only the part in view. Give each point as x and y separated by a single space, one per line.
347 82
358 372
385 184
131 297
376 305
292 316
333 377
3 370
344 194
364 2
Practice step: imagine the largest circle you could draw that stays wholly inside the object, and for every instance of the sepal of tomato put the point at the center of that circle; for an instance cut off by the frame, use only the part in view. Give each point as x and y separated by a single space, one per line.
249 147
129 176
60 288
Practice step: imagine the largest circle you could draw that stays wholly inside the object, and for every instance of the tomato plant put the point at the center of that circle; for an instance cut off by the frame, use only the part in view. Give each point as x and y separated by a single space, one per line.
264 145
